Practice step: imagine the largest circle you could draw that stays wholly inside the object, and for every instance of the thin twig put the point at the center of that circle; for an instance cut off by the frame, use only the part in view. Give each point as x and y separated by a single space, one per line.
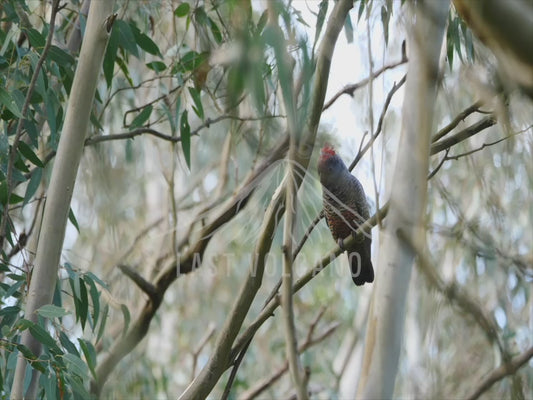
501 372
472 227
356 334
438 167
23 237
307 233
314 323
140 85
157 99
260 387
140 236
233 373
174 139
21 243
142 283
460 117
458 156
350 89
379 127
145 130
130 135
464 134
371 108
268 311
196 353
20 124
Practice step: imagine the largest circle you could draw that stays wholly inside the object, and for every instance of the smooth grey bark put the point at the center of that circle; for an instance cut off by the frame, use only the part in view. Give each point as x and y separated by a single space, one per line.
62 181
407 202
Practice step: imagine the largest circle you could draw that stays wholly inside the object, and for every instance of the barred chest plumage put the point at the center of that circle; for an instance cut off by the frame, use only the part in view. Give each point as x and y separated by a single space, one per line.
341 218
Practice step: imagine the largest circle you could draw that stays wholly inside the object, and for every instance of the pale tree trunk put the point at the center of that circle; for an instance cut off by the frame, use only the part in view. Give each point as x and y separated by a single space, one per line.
73 47
407 202
64 172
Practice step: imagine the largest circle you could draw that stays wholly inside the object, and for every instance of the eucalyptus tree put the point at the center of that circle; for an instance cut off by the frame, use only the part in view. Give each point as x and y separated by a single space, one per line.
150 232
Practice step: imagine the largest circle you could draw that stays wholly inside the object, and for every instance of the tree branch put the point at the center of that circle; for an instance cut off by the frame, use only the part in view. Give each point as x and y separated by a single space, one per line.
501 372
379 127
459 117
207 337
477 127
142 283
439 166
268 311
323 66
467 153
174 268
350 89
132 134
174 139
291 344
157 99
307 233
221 358
260 387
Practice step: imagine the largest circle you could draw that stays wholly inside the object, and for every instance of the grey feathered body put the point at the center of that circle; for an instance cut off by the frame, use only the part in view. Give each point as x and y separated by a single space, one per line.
345 209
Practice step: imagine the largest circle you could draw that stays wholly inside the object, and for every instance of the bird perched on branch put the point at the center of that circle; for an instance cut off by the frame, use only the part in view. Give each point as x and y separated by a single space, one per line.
345 209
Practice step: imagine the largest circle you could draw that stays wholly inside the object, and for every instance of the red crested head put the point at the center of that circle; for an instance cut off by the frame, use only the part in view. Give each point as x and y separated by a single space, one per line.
327 152
330 166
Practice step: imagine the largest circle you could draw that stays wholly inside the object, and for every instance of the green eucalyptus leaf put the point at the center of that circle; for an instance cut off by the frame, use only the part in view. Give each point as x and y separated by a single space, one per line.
127 318
90 355
9 102
51 311
75 364
145 42
142 117
28 153
185 134
198 108
322 11
73 220
33 185
84 303
157 66
103 321
182 10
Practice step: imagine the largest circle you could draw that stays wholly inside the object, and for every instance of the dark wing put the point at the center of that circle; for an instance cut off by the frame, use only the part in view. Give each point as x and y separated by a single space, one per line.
357 201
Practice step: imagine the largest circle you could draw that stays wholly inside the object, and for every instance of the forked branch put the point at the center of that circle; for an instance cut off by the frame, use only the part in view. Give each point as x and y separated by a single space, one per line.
501 372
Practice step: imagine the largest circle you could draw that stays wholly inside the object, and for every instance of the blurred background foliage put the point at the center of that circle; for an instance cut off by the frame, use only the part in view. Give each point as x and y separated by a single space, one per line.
193 88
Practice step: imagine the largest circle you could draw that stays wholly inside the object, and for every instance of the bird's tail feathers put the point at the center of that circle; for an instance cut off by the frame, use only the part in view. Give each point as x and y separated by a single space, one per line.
361 265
